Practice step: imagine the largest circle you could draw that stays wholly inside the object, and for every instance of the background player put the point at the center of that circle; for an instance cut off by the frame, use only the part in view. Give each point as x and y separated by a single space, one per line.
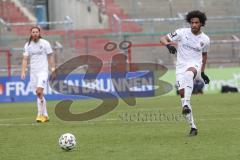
192 48
41 54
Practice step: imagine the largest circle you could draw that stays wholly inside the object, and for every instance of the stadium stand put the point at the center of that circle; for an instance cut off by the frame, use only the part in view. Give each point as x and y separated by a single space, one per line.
75 41
91 41
224 54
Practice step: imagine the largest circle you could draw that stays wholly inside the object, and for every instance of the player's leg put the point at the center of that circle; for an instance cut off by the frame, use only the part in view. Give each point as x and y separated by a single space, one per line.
42 81
39 93
190 120
189 77
188 87
42 104
180 86
185 109
182 83
33 82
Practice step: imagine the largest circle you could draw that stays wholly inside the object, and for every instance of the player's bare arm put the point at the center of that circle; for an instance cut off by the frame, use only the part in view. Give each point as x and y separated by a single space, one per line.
51 63
204 61
166 42
24 66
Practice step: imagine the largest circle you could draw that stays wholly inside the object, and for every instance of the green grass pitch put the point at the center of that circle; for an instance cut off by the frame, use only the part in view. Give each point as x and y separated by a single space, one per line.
120 134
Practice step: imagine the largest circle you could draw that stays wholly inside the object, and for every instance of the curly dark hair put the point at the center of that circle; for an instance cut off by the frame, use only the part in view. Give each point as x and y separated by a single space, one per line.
196 14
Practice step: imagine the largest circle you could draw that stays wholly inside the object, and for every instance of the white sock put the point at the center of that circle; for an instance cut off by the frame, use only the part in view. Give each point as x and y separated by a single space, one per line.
188 87
40 108
182 101
44 107
190 120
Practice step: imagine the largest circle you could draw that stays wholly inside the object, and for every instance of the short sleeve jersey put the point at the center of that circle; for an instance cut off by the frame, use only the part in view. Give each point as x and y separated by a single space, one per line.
38 51
190 46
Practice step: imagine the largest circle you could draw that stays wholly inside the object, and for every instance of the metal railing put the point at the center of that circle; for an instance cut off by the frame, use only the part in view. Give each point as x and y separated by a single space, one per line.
118 22
223 51
67 22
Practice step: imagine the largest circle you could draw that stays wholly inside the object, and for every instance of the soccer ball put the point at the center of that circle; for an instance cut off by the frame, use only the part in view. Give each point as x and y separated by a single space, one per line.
67 141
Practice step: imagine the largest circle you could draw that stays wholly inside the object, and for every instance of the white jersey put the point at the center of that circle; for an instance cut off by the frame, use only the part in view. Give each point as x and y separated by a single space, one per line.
38 55
190 46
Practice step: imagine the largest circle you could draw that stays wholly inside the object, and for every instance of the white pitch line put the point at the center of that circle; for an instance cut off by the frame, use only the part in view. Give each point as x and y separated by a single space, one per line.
24 124
217 119
112 120
20 124
12 119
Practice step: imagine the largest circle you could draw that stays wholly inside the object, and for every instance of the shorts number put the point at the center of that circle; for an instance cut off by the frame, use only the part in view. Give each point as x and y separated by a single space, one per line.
178 84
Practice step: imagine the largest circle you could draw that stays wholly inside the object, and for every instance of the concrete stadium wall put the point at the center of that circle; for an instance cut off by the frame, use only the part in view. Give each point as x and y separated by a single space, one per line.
78 12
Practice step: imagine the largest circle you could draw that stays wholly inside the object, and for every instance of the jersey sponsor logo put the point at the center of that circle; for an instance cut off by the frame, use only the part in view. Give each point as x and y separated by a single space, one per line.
37 53
187 47
173 34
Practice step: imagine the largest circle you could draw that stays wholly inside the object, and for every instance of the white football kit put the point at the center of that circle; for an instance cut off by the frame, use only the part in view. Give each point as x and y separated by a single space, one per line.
38 62
189 51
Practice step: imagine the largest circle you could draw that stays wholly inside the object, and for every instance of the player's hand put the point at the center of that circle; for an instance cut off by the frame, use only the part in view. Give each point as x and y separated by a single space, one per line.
205 78
53 76
23 75
171 49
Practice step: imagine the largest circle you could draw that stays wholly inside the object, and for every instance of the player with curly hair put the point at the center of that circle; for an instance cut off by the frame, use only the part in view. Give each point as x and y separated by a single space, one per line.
192 48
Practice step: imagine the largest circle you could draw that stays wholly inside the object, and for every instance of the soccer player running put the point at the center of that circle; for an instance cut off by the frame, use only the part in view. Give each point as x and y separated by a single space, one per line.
41 54
192 49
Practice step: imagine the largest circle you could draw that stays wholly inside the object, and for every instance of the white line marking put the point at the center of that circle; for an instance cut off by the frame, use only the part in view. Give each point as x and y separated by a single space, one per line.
12 119
110 120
